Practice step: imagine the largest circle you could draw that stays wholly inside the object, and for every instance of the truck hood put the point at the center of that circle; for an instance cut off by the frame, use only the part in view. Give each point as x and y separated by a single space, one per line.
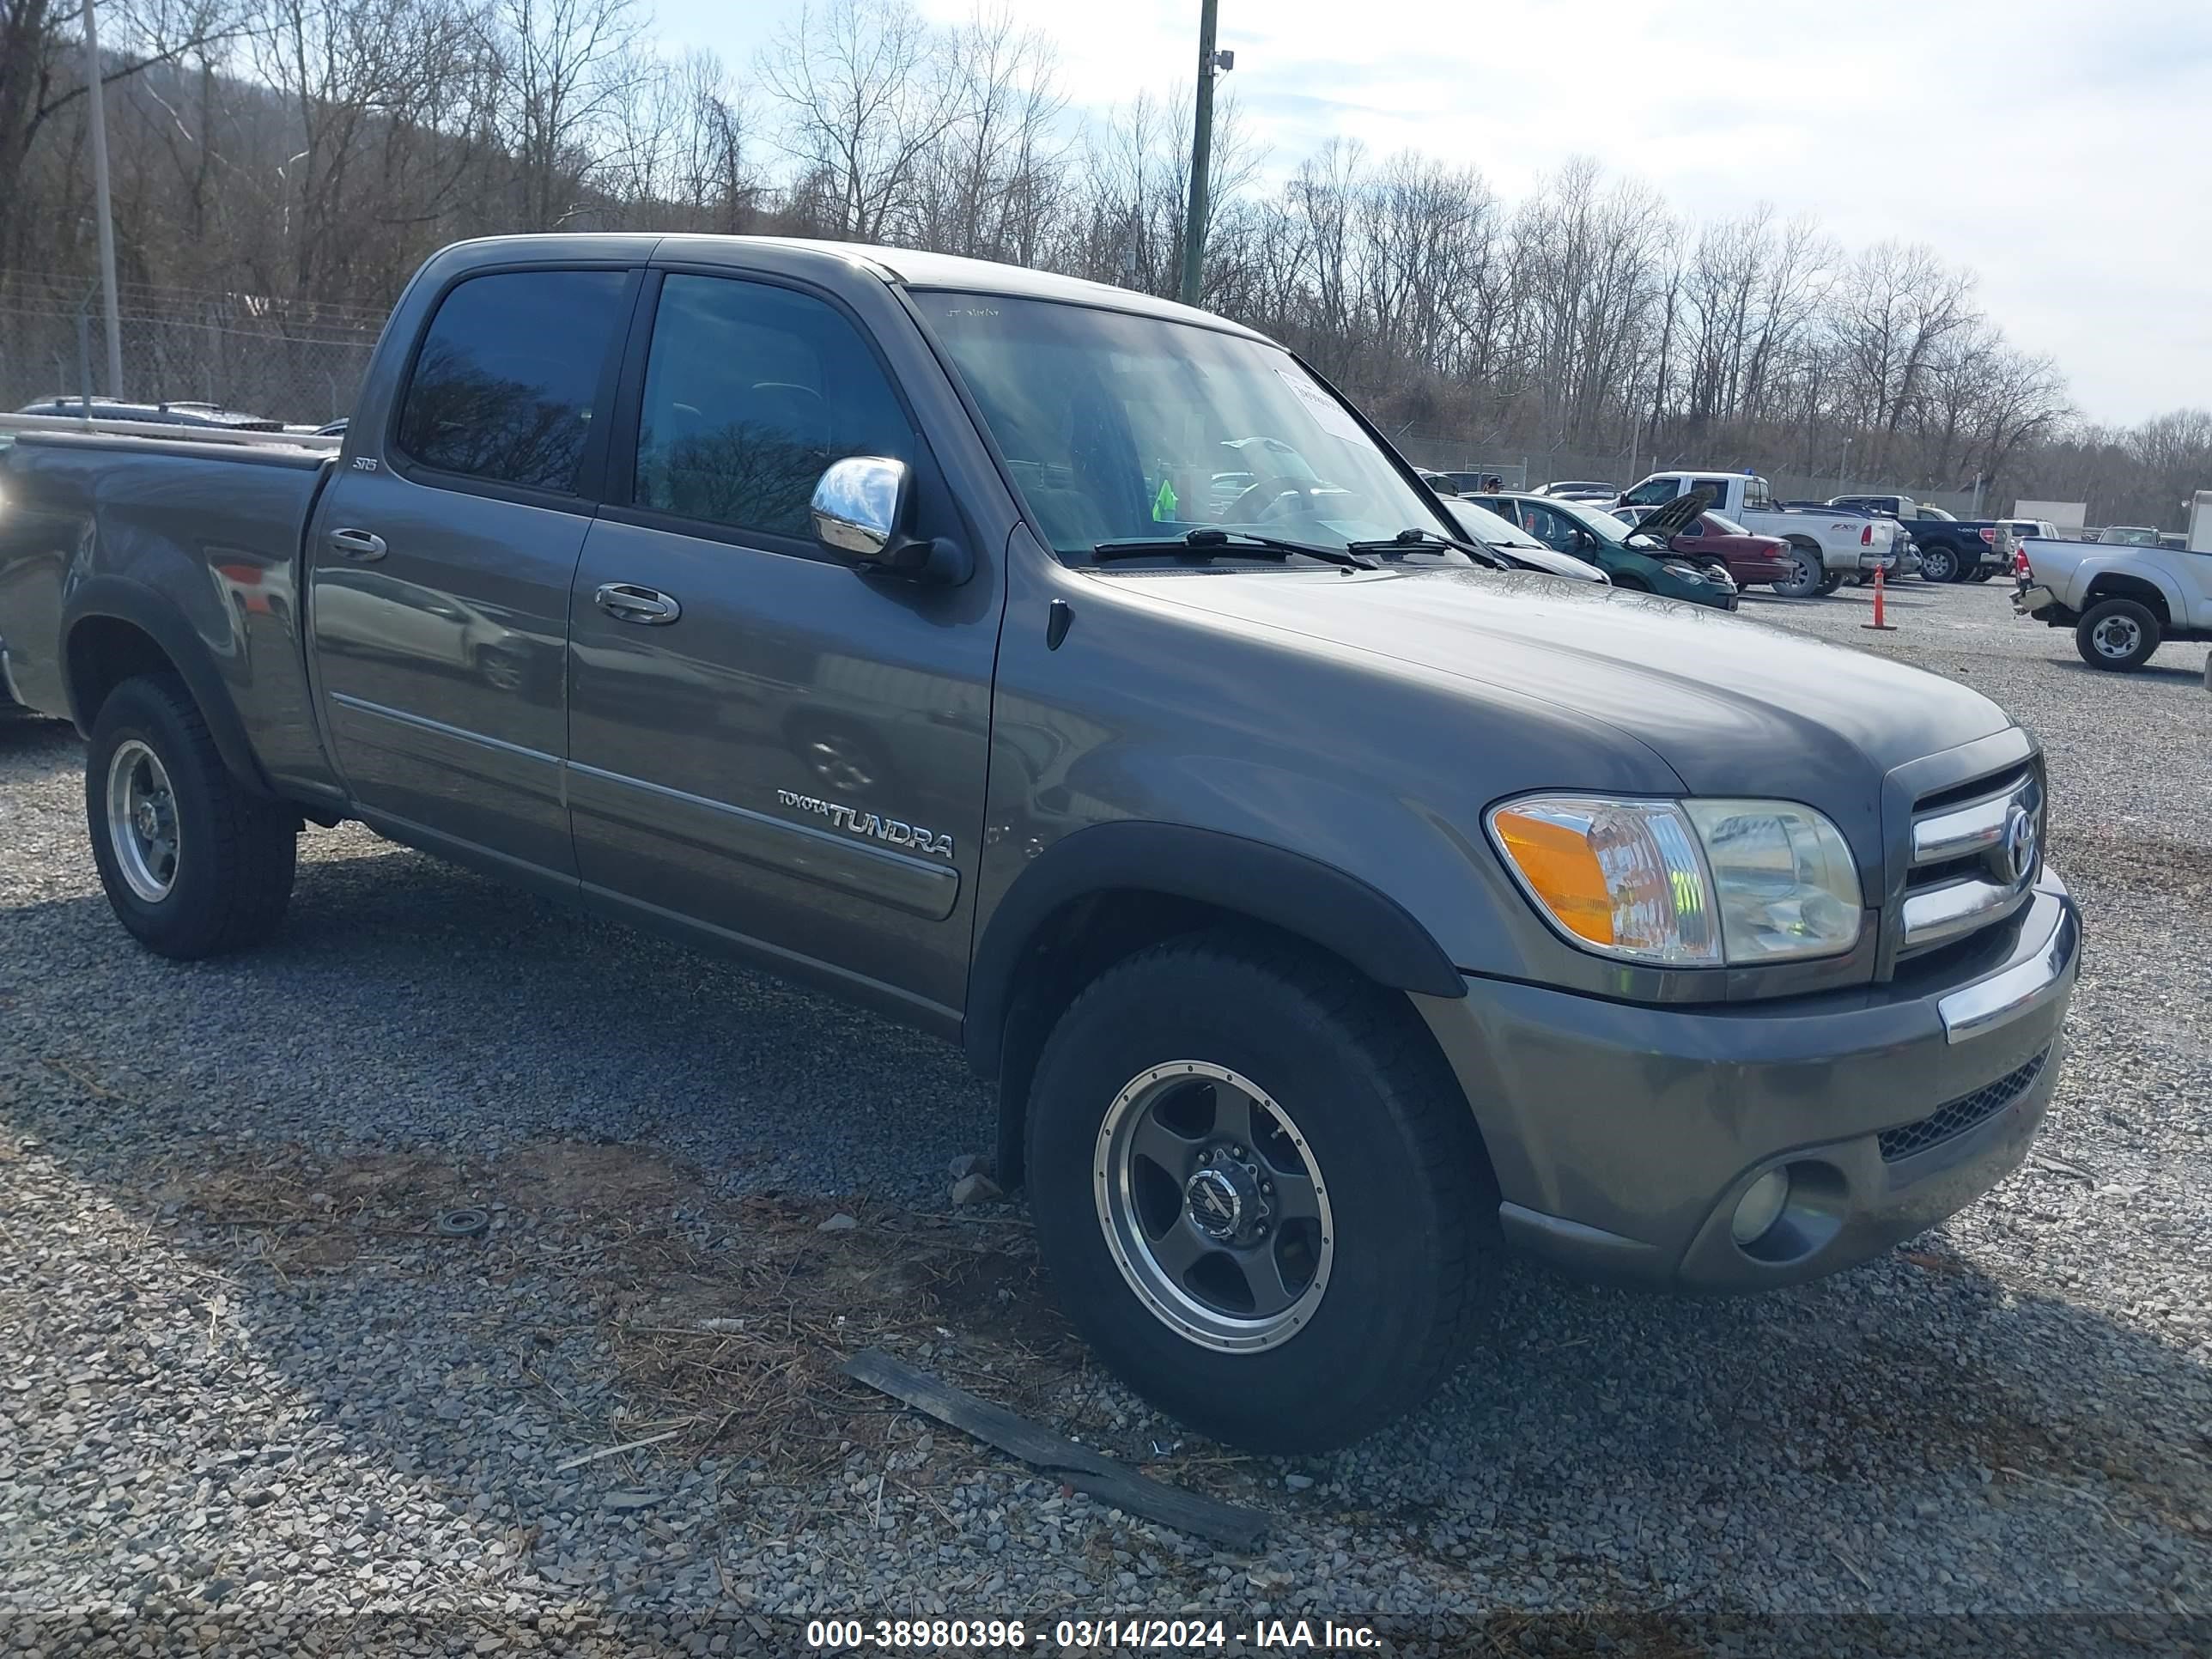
1733 706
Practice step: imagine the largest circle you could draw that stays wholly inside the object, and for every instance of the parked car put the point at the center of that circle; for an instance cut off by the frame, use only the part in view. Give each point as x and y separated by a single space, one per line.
1827 548
2123 599
1951 548
1330 910
1636 559
1515 545
1903 558
2128 535
1582 489
160 414
1752 560
1472 484
1893 507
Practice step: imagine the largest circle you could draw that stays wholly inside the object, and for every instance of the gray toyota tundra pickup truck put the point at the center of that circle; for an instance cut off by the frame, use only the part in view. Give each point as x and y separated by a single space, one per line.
1079 678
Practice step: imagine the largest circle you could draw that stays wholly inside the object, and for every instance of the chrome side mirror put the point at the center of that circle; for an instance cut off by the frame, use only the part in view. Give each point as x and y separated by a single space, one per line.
859 507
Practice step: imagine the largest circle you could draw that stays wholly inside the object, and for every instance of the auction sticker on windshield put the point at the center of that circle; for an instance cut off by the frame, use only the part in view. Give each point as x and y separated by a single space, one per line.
1332 417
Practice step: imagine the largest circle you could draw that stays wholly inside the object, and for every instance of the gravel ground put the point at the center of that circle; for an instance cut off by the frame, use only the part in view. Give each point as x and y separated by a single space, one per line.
244 1395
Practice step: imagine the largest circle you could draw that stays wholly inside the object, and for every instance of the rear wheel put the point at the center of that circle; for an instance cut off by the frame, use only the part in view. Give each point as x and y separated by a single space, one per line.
1830 583
1805 573
2117 635
1259 1191
1982 573
192 864
1938 564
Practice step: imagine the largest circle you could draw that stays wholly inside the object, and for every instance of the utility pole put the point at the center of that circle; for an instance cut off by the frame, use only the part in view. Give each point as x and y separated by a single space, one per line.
1201 152
96 112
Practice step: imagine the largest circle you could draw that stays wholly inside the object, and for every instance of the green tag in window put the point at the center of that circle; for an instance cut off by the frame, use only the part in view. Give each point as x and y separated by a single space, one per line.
1164 504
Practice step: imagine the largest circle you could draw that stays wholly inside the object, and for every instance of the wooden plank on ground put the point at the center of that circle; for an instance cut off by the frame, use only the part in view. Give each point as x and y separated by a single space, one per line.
1052 1454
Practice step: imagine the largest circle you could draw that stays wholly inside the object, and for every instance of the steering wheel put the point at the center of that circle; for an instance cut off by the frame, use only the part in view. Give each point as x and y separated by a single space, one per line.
1263 502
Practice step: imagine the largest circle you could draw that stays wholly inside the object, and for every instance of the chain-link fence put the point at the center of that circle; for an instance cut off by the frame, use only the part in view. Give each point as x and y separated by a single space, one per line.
285 361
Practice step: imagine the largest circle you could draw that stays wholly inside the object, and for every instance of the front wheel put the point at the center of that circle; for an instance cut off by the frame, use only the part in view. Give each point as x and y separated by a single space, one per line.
2117 633
193 865
1259 1191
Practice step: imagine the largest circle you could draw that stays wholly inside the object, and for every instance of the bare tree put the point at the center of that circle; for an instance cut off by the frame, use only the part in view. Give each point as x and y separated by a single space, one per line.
865 92
563 69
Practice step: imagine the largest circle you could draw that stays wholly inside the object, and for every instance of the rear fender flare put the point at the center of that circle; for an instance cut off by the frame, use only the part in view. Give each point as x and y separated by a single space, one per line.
114 599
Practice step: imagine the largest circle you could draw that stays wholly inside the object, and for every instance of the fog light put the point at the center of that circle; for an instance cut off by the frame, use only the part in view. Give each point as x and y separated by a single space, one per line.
1757 1210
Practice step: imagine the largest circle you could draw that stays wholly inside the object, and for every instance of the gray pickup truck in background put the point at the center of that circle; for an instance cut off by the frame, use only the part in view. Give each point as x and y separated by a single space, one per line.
1079 678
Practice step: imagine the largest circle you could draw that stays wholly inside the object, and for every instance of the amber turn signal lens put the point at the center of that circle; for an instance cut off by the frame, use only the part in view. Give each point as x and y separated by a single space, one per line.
1557 860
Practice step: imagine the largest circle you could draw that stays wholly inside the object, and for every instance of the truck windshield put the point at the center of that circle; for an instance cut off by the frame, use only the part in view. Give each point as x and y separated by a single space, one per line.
1118 428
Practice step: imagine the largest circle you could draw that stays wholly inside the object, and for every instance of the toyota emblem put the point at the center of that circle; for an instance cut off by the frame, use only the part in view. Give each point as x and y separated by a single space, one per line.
2019 842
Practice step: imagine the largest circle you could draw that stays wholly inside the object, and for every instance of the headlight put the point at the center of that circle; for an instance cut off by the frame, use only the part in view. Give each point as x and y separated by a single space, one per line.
1689 884
1683 572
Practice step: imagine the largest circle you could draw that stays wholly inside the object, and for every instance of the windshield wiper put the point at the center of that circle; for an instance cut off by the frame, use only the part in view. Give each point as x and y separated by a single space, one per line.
1415 539
1208 543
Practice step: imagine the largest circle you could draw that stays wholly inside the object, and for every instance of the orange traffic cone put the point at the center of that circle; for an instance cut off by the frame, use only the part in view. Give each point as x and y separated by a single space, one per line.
1886 627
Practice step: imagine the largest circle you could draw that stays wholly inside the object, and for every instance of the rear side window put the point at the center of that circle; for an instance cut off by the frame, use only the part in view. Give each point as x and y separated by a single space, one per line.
1717 486
504 386
751 391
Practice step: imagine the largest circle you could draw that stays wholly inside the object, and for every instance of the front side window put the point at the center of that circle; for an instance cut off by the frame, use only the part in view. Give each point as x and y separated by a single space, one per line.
1717 486
504 386
1122 427
751 391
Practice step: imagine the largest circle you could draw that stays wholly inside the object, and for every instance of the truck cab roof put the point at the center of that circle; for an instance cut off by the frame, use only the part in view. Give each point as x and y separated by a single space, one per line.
806 256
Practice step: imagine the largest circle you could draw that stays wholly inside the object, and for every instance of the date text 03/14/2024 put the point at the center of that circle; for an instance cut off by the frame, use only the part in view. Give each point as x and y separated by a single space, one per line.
1079 1635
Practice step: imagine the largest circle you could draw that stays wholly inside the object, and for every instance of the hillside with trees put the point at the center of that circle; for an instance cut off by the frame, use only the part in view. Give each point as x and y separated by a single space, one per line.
287 164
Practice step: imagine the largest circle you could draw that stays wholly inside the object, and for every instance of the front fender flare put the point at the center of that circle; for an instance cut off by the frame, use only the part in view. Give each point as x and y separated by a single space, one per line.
1268 883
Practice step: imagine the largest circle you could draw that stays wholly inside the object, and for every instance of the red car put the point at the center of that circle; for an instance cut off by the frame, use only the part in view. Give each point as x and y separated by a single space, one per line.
1750 559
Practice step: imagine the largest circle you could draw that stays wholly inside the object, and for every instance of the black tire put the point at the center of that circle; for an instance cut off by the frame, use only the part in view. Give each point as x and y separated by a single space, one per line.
1830 583
1939 564
1982 573
1807 582
234 853
2117 635
1392 1146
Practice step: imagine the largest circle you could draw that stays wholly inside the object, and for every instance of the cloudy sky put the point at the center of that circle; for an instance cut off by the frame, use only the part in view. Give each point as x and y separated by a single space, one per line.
2062 149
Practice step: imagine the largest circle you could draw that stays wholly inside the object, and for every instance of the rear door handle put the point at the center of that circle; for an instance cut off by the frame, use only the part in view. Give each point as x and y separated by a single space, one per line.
357 544
627 602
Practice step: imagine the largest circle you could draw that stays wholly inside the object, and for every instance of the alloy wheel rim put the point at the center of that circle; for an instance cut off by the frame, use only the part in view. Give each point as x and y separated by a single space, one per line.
142 821
1213 1207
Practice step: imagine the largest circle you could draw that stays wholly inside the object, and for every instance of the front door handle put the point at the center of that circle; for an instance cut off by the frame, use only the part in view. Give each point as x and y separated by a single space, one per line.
357 544
627 602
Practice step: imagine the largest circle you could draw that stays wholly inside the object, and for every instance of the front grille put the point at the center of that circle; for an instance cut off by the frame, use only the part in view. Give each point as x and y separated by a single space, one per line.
1960 1114
1961 878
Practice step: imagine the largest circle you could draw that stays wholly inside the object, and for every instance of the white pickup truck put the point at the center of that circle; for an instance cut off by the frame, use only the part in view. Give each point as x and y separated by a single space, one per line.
2121 601
1829 548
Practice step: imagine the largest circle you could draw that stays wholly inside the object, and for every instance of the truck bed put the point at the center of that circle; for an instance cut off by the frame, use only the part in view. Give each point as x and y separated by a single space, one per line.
79 510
